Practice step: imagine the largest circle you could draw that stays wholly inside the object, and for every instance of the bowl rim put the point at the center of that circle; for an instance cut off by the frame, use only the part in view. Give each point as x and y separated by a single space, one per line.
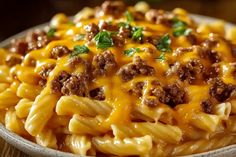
32 148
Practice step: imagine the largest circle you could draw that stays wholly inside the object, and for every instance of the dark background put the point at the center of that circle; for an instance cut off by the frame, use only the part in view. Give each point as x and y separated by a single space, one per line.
17 15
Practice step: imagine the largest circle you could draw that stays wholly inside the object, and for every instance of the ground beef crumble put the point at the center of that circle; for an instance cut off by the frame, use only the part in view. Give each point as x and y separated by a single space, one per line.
138 67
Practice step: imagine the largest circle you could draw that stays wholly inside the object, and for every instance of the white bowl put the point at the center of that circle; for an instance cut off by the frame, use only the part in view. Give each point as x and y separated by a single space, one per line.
35 150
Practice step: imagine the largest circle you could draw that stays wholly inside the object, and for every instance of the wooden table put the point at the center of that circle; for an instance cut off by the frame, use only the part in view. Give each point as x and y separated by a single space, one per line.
7 150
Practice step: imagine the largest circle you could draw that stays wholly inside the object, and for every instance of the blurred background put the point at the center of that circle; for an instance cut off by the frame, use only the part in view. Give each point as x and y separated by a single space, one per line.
17 15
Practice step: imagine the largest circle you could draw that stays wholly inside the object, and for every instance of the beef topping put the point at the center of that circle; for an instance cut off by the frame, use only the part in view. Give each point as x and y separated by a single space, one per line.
114 8
192 39
12 60
57 82
150 101
124 32
154 40
19 46
91 31
97 94
190 71
75 85
159 17
44 72
78 61
107 26
233 50
221 91
118 41
59 51
211 72
103 63
37 39
138 67
173 95
137 89
207 106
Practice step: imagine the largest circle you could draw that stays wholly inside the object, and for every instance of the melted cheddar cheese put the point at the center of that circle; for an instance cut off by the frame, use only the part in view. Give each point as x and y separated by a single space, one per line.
172 76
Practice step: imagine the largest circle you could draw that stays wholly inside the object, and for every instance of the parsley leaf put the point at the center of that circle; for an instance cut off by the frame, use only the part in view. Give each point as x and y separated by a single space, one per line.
103 40
131 51
79 37
164 43
124 24
51 32
129 16
161 57
137 33
180 28
78 49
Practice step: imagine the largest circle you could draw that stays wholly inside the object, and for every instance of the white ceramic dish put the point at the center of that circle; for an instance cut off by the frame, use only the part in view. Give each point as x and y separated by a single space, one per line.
38 151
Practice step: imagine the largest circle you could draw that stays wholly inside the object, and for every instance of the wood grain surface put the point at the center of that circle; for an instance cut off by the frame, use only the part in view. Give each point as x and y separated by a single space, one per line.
6 150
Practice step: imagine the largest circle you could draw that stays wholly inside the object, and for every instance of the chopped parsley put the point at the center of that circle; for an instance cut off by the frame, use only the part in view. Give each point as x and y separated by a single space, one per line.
164 43
180 28
131 51
137 33
79 37
103 40
78 49
161 57
51 32
129 16
124 24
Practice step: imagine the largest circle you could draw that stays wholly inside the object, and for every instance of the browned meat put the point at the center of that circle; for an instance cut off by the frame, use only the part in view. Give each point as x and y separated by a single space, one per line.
207 106
78 61
211 72
44 72
154 40
75 85
114 8
91 31
37 39
103 63
209 54
57 82
12 60
59 51
173 95
137 89
150 101
42 82
124 32
210 43
233 50
192 39
97 94
221 91
191 71
107 26
19 46
118 41
138 67
159 17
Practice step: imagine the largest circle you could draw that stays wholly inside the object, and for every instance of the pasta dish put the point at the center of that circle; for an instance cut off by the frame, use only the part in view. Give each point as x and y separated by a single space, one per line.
123 81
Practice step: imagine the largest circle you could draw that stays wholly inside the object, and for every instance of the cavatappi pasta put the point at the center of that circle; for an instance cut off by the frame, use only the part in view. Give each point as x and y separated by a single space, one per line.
122 81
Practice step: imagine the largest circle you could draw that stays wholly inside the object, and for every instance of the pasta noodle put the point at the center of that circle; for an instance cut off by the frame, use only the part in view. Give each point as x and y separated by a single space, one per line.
121 80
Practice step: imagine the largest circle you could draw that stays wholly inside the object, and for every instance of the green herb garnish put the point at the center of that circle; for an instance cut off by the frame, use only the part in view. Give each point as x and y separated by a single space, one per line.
79 37
51 32
164 43
78 49
129 16
103 40
180 28
137 33
131 51
124 24
161 57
